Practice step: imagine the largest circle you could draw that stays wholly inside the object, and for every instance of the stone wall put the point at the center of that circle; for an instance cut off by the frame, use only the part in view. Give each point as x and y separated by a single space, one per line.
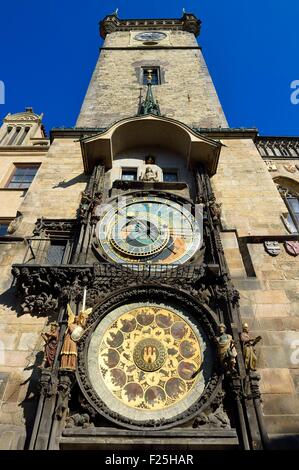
54 193
251 202
186 94
11 199
270 290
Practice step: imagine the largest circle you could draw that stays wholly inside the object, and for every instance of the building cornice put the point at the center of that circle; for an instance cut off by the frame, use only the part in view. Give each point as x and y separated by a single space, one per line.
74 132
24 149
212 132
188 22
227 132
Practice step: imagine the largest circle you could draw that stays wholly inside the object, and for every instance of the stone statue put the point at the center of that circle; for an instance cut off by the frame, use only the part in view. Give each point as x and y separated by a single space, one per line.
226 349
74 332
248 344
51 342
78 420
150 174
15 223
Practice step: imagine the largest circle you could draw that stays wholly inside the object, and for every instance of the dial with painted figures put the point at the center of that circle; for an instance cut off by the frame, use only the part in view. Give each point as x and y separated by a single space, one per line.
148 230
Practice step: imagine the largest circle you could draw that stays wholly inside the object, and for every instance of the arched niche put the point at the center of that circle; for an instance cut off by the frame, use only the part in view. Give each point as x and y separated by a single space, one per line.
150 131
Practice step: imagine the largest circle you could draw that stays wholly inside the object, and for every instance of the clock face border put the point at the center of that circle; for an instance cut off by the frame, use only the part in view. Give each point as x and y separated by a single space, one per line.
173 252
173 298
150 36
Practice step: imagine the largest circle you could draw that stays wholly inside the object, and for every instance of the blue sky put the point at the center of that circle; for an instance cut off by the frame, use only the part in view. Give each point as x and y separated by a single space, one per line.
49 50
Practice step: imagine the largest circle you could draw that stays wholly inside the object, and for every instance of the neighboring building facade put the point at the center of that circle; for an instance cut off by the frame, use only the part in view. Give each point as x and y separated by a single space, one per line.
175 230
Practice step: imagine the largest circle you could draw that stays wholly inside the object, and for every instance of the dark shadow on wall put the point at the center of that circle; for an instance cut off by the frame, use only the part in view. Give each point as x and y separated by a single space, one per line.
10 300
82 178
286 442
29 404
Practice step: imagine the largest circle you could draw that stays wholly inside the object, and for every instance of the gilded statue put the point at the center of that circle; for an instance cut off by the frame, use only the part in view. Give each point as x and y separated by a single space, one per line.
226 349
74 332
249 352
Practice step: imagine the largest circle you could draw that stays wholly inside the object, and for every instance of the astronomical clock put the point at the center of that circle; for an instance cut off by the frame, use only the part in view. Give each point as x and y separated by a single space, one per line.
147 359
148 229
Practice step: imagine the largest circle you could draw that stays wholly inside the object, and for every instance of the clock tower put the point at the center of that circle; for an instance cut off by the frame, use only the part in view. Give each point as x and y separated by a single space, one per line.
148 346
181 80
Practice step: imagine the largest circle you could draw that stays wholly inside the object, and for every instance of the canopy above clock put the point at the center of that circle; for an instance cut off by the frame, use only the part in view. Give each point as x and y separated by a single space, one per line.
150 131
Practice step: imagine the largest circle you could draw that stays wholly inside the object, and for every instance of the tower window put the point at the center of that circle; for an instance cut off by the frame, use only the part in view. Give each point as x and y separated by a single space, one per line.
4 223
155 74
170 176
22 176
129 174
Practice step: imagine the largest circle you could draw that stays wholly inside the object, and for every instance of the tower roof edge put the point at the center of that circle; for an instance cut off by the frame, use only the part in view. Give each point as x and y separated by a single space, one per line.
188 22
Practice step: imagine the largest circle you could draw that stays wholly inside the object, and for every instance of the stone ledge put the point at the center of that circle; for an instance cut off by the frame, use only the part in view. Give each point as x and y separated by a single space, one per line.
122 439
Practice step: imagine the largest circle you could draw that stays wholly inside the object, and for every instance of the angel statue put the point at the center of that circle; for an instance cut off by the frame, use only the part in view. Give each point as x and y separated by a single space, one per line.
74 332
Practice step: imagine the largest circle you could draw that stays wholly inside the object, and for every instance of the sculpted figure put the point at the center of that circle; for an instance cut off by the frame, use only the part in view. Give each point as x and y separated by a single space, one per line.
74 332
226 349
51 342
248 344
149 174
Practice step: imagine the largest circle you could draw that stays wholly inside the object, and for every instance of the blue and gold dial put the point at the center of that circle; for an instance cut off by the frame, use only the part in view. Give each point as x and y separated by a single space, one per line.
148 229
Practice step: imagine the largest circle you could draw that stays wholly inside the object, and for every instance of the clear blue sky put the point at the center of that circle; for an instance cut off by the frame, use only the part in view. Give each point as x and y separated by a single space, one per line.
49 50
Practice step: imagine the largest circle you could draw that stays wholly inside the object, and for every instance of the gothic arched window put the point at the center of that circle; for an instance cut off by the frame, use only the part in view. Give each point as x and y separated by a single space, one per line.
289 191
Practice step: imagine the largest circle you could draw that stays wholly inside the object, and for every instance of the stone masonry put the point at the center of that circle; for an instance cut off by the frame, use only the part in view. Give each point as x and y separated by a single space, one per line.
187 93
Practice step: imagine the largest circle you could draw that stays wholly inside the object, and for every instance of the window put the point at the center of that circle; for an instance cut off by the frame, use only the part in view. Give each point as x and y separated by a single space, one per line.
23 135
293 206
22 176
289 191
155 74
8 131
129 174
3 227
170 176
14 135
56 251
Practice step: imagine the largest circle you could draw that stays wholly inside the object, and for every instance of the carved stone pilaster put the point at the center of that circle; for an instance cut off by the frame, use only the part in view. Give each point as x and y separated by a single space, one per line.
93 195
66 380
236 387
254 380
45 384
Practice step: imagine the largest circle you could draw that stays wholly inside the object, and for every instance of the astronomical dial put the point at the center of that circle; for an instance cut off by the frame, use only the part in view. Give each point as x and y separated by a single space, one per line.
147 362
151 36
148 230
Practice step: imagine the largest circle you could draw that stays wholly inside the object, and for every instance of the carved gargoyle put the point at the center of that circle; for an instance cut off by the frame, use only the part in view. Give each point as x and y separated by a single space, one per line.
214 417
78 420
